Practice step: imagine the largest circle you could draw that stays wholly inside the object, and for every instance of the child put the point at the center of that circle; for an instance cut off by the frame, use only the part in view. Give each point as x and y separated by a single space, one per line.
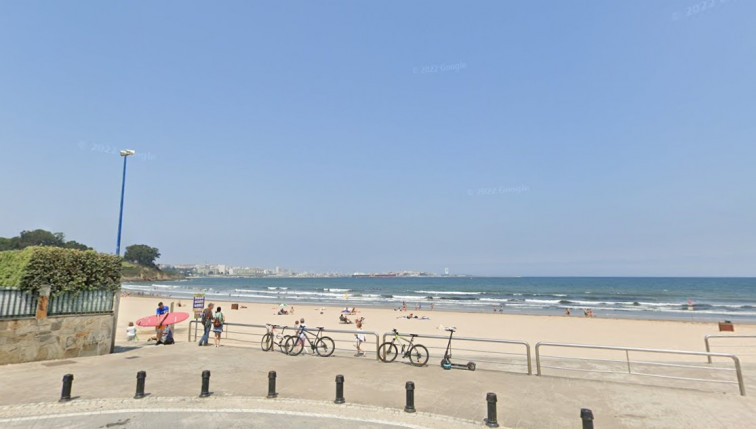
131 334
359 338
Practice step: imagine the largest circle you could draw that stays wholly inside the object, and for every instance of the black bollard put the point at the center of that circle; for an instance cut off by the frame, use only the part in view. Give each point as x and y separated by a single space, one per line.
205 384
410 388
65 394
587 416
141 376
272 384
339 389
491 419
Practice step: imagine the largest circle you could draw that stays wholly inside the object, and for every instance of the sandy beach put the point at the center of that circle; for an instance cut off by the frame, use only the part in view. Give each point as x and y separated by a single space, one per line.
677 335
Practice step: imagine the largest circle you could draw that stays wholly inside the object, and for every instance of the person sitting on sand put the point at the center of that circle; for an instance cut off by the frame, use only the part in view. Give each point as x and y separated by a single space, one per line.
344 319
167 337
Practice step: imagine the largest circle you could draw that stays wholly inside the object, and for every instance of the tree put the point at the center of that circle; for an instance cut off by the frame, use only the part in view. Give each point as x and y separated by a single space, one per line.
6 244
39 237
142 254
76 245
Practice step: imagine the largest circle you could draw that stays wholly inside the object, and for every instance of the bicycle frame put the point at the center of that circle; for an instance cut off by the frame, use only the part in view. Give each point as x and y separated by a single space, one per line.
405 347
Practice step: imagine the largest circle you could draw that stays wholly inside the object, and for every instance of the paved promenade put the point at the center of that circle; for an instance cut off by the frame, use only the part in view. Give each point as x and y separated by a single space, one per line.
104 387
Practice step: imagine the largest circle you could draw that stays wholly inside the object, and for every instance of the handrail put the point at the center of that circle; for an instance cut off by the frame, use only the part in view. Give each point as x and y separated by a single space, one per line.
706 340
265 327
627 351
473 339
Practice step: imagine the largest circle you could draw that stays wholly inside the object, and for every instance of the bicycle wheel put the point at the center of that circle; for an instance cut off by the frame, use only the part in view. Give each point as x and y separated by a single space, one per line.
418 355
293 346
387 352
325 346
267 342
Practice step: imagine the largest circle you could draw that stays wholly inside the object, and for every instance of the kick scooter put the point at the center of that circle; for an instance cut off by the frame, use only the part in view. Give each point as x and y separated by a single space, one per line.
446 362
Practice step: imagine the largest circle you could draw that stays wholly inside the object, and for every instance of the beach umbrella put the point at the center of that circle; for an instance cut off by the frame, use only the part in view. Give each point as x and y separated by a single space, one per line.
163 319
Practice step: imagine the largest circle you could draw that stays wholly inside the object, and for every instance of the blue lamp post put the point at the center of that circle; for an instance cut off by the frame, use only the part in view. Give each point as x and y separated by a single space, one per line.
125 154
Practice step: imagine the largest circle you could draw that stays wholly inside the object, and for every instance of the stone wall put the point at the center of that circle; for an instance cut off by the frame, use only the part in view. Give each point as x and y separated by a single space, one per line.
55 337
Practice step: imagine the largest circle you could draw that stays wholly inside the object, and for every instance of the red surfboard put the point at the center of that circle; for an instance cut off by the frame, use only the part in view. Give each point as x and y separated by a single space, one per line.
163 319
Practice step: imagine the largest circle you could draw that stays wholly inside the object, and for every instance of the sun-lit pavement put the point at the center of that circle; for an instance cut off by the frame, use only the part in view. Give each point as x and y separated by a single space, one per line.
104 387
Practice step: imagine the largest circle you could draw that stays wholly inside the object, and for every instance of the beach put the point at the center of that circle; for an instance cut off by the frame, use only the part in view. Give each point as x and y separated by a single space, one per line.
658 334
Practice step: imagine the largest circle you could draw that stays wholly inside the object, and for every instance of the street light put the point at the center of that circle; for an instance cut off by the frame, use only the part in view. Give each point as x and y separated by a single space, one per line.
125 154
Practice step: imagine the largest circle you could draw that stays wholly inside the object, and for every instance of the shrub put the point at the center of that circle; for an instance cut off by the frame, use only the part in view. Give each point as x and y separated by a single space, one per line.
65 270
12 266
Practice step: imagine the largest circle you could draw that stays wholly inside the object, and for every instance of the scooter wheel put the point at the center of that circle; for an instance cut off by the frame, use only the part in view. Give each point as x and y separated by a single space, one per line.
445 364
471 366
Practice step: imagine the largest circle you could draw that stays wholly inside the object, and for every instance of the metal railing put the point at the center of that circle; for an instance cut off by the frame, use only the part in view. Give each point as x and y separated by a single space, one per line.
628 362
83 302
707 337
15 303
480 355
253 333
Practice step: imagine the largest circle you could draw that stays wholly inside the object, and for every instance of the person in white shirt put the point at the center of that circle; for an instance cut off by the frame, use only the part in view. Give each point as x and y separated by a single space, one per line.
131 334
359 338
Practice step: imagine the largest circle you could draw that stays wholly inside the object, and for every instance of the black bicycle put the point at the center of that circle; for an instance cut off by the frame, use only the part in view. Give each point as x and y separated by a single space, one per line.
273 338
417 353
320 344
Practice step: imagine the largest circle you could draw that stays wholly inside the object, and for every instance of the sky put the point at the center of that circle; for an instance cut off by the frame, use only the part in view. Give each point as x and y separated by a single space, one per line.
532 138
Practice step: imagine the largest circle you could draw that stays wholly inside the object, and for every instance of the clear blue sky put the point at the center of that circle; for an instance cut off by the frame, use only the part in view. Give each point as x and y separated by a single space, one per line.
490 137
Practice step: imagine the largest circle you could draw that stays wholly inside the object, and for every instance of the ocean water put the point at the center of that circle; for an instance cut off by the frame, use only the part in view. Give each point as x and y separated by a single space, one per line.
679 298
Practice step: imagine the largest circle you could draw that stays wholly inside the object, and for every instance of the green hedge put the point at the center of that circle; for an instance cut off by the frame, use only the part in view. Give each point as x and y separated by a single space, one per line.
12 266
65 270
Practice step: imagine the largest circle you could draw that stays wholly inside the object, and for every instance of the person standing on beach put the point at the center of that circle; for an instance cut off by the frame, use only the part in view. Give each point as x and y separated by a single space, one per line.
207 324
218 321
159 328
359 338
301 336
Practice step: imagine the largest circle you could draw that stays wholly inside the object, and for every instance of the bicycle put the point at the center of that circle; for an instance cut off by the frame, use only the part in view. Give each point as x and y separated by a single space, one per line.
446 362
417 353
272 338
322 345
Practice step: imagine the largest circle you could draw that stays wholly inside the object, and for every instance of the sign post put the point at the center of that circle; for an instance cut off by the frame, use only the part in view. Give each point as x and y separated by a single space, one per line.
199 305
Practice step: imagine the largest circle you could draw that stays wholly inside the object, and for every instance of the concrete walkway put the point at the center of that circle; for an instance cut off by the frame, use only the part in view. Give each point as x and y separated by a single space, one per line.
104 387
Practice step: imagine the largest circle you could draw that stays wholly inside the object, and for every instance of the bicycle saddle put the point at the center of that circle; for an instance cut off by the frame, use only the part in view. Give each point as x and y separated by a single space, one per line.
450 329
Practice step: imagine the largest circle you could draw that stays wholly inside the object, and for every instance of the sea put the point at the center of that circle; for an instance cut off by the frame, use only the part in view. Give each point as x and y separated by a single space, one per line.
668 298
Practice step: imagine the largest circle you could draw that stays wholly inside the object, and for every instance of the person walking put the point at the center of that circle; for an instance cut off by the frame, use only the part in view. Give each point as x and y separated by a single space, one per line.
207 324
218 321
